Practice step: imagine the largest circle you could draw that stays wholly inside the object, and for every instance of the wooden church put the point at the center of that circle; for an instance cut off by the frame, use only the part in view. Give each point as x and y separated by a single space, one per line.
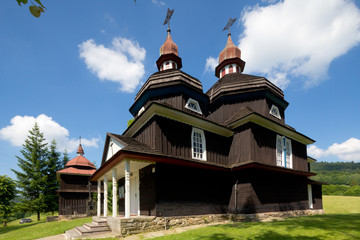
74 185
187 152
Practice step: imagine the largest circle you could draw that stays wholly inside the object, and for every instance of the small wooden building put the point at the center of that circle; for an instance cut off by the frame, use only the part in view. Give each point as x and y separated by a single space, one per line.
74 185
187 152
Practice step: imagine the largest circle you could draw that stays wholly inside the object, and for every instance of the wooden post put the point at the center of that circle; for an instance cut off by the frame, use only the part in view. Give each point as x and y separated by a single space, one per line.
105 196
98 198
127 188
114 193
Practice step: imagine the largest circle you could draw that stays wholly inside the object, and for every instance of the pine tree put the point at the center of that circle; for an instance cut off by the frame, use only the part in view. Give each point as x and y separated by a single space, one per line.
31 181
53 164
65 159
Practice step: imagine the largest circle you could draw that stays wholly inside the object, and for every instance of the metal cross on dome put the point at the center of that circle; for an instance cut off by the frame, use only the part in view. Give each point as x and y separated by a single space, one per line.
168 17
229 24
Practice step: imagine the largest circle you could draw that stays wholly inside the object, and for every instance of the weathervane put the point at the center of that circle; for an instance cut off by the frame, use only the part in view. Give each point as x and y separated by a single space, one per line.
229 24
168 17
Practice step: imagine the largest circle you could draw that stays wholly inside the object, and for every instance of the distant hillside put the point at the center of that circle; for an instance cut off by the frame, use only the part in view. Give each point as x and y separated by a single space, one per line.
343 177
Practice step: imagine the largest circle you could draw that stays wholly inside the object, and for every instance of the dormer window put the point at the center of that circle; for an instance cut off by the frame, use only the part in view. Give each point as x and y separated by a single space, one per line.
198 144
275 111
193 105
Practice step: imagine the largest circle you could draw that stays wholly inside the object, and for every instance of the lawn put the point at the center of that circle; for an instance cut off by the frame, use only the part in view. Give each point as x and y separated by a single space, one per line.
35 229
341 221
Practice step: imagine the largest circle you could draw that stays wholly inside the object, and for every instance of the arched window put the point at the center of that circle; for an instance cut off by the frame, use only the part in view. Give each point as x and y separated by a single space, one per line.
198 144
283 152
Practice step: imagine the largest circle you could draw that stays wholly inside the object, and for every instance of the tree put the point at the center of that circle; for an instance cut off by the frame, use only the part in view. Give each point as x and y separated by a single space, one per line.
7 194
35 9
65 159
53 164
32 179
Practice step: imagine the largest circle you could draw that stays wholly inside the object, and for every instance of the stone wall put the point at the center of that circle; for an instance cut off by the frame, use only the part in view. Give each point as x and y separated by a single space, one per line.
140 224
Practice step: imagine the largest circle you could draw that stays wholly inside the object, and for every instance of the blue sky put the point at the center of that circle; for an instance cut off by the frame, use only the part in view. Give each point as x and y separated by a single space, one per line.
77 68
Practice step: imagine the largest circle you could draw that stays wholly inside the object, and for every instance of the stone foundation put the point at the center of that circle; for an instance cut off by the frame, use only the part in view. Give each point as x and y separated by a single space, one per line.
141 224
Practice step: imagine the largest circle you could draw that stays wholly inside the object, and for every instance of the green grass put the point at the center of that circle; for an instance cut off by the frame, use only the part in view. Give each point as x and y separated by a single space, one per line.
341 204
38 229
330 226
341 221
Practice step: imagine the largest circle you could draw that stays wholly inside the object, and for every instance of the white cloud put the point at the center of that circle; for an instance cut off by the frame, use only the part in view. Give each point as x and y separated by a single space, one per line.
211 64
121 63
347 151
19 127
298 38
158 2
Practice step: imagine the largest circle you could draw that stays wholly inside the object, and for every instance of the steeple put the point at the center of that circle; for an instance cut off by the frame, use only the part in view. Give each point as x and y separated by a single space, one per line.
169 55
230 57
80 150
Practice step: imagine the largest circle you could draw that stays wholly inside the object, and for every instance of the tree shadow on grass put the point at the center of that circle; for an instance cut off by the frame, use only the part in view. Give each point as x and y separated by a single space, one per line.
17 227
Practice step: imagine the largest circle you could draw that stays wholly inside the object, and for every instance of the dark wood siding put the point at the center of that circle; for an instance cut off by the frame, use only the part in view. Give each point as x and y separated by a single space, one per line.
147 191
262 191
317 196
187 191
221 113
241 145
252 142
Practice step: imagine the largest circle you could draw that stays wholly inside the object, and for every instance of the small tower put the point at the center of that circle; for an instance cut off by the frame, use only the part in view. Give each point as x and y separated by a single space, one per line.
169 55
230 57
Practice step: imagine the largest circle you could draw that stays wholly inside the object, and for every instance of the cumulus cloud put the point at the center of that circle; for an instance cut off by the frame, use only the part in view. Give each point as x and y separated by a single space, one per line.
121 63
19 127
211 64
298 38
347 151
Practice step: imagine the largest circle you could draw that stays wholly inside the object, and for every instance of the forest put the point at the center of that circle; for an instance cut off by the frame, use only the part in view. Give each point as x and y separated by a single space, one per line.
343 177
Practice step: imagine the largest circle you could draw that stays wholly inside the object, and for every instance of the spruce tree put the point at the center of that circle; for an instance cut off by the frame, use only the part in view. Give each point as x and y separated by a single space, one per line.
53 164
31 180
65 159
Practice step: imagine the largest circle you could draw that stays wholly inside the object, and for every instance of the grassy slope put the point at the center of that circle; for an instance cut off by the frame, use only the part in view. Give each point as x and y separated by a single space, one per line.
16 231
341 221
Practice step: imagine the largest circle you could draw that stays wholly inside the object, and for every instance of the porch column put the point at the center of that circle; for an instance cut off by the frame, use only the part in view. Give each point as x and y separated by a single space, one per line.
311 206
105 196
114 193
127 188
98 198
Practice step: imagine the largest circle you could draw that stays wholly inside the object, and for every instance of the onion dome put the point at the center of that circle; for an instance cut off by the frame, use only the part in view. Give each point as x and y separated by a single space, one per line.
229 60
169 55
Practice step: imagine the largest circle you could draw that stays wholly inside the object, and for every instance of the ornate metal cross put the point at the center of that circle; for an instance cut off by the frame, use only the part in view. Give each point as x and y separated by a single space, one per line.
168 17
229 24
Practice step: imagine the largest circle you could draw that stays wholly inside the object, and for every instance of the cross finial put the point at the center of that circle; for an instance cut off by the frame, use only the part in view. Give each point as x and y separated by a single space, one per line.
229 24
168 17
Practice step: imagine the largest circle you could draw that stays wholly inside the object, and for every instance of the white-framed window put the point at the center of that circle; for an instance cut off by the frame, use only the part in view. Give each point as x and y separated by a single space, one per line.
283 152
198 144
275 111
193 105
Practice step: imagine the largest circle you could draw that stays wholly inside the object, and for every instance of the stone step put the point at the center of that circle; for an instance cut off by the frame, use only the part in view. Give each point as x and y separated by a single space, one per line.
100 221
83 231
71 234
95 227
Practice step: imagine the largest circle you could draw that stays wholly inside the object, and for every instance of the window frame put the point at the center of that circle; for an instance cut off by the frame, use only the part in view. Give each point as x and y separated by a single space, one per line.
277 115
284 156
195 154
196 103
